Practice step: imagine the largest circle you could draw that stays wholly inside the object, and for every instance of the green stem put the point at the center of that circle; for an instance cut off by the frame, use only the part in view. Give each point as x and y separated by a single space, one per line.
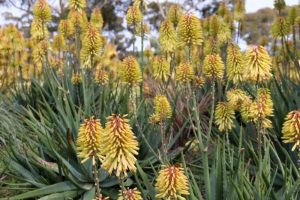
96 178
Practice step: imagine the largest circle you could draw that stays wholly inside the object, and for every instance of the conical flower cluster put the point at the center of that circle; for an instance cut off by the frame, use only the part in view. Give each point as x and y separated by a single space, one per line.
96 18
291 129
172 183
119 146
224 116
134 16
38 31
213 66
258 64
280 28
42 11
189 31
162 109
66 28
161 68
174 14
262 108
235 65
130 194
184 73
91 43
236 97
167 36
101 76
78 19
90 139
77 5
130 71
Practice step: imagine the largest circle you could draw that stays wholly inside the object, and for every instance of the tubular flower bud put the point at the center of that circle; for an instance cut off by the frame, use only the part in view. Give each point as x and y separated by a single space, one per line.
280 28
119 146
167 37
162 109
77 5
213 66
236 97
258 64
130 71
65 28
184 72
91 43
291 129
174 14
262 108
90 138
42 11
224 116
133 16
235 63
96 18
161 68
130 194
189 31
172 183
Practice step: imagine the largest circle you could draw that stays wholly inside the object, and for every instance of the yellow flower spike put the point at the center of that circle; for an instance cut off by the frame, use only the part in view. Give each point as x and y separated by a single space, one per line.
90 139
38 31
78 19
119 146
239 10
189 31
133 16
96 18
258 64
59 43
162 109
235 63
101 76
130 71
130 194
262 108
291 129
77 5
184 73
224 116
213 66
245 109
91 43
174 14
214 26
223 9
199 81
76 78
280 28
161 68
39 52
236 97
167 37
172 183
66 28
42 11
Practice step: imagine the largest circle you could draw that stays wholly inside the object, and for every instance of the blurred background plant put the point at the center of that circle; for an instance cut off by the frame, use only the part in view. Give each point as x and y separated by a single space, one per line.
192 116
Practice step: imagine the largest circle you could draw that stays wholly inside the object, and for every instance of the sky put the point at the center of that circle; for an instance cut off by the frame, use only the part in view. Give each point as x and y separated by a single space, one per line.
251 6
